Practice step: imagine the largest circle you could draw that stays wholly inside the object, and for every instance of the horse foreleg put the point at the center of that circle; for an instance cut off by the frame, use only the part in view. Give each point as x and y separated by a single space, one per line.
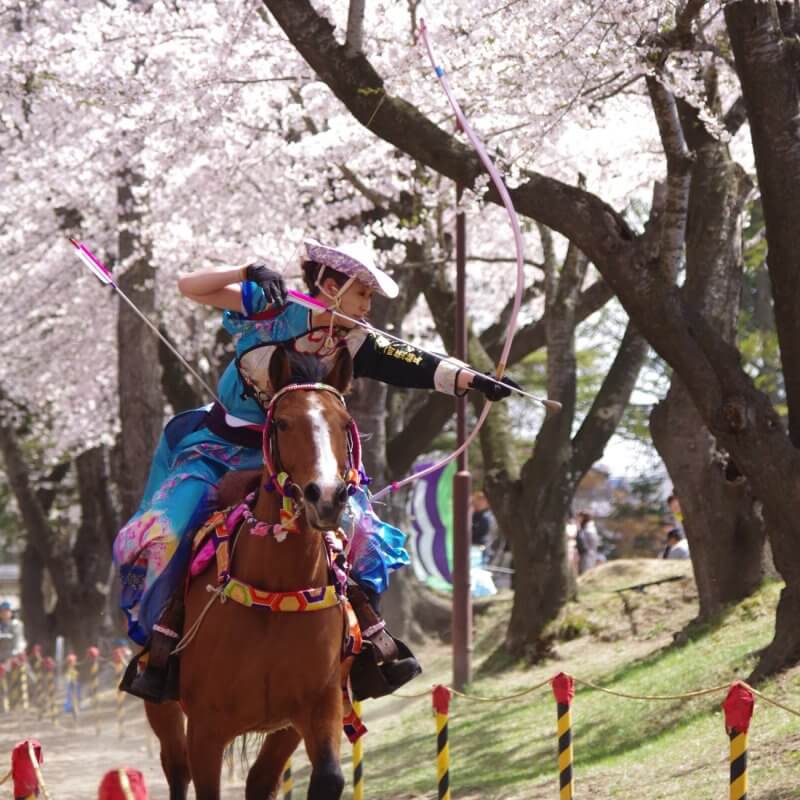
322 732
167 722
206 749
264 778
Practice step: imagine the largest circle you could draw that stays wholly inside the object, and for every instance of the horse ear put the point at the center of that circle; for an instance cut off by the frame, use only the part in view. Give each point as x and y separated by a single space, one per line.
341 375
280 373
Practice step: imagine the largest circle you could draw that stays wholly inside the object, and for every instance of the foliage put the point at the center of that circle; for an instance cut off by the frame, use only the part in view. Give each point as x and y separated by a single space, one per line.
243 153
757 336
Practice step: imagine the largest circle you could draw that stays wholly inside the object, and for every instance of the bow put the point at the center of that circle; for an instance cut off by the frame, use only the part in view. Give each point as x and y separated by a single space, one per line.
497 180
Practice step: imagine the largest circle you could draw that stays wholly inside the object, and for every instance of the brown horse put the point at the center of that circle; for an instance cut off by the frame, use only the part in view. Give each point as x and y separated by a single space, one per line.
250 669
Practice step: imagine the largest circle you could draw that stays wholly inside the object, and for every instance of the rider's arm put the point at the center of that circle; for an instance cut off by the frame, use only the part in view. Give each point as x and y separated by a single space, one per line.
403 365
219 288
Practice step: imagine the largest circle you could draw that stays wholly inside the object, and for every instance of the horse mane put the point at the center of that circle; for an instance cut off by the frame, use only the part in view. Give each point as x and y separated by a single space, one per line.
306 368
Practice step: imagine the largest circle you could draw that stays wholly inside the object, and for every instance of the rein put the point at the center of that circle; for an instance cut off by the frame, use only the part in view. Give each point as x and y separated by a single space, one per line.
221 529
279 479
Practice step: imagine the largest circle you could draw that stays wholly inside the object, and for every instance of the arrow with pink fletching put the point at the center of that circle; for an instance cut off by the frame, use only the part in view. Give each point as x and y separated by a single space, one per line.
103 274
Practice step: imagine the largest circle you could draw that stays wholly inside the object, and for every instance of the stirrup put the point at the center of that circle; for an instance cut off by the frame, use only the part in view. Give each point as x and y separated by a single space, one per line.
152 684
368 678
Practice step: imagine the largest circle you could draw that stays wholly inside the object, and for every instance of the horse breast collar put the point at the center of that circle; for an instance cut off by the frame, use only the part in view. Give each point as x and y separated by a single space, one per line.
217 538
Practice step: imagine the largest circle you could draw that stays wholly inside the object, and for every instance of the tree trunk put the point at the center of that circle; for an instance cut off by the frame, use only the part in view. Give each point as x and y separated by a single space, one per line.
38 626
766 62
141 404
77 573
541 581
725 534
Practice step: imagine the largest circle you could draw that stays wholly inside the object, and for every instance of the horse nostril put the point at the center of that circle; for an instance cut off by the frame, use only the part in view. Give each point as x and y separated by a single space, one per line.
341 494
312 492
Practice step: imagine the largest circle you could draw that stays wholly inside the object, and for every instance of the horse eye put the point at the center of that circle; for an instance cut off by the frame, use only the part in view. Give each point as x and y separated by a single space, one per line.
282 424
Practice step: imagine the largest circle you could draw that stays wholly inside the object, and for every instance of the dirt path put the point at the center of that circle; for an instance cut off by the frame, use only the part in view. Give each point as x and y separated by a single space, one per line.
77 753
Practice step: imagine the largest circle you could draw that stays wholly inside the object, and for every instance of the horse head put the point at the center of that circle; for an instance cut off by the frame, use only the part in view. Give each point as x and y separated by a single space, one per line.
309 435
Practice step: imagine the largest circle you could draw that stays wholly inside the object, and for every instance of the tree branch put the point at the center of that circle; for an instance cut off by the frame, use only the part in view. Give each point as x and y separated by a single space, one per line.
532 337
355 28
681 37
582 217
679 164
735 116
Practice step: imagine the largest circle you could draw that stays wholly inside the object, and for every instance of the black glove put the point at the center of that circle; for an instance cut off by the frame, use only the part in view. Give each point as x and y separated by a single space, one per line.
494 391
270 281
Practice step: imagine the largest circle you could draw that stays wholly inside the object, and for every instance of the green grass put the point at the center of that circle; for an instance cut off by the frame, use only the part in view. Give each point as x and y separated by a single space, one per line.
623 748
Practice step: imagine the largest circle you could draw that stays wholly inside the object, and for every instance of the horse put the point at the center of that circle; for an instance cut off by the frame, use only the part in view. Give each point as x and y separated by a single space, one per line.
248 669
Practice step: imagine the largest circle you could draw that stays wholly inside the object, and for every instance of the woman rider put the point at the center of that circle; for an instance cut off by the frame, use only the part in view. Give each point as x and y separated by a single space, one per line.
198 447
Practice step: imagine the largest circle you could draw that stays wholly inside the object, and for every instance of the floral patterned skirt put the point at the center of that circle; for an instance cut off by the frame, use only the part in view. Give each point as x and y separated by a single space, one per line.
153 548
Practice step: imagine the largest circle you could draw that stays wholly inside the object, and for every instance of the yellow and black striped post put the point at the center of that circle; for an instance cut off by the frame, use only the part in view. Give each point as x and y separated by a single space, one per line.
358 760
564 690
93 654
118 660
441 710
24 695
287 782
4 703
49 666
738 707
15 692
38 686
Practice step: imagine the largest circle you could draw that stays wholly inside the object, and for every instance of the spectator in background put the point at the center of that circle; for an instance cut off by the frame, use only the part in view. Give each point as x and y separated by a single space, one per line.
483 521
677 546
12 634
587 542
674 506
571 532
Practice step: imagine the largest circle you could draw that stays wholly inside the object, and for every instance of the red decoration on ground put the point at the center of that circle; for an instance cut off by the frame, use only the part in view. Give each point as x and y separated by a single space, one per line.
563 688
738 708
111 785
22 770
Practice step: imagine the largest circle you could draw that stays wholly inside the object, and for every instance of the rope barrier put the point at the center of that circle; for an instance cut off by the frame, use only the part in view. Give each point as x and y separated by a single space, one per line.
771 702
628 696
475 697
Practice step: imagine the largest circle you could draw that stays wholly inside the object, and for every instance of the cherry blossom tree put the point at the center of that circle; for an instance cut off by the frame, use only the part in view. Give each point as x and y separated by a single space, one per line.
640 266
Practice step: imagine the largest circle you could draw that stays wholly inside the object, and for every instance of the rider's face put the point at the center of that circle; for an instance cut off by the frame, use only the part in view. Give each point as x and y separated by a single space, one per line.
357 300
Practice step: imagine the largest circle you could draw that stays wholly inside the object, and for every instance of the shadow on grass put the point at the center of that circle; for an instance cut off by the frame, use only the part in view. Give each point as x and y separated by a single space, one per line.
494 748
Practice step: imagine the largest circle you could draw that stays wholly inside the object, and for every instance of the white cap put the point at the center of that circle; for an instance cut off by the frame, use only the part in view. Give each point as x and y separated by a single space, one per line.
357 261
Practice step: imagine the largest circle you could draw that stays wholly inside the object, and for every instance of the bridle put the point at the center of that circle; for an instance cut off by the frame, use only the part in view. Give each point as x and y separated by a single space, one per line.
279 479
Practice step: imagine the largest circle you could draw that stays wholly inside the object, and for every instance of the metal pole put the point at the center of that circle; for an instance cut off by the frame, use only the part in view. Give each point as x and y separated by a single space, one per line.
462 482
